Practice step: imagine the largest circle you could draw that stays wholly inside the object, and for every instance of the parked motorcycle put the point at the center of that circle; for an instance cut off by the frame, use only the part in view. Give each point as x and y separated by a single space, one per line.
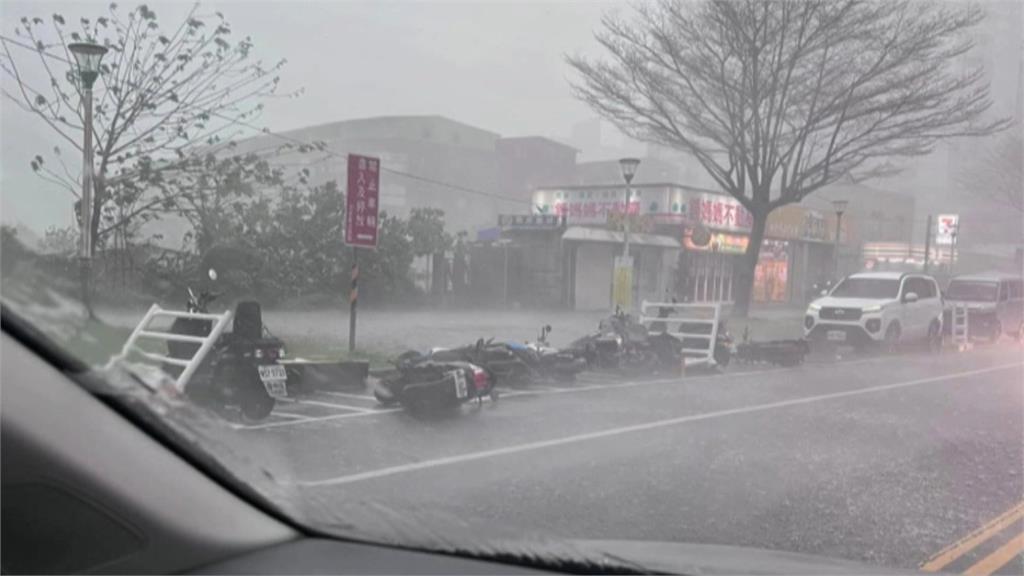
241 372
553 363
423 384
623 343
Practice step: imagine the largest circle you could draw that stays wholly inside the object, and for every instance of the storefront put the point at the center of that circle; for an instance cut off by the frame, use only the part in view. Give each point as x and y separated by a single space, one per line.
688 243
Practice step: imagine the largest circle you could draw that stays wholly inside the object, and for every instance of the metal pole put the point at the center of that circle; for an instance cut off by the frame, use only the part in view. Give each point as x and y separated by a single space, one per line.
625 224
835 250
85 227
953 250
504 292
353 299
927 242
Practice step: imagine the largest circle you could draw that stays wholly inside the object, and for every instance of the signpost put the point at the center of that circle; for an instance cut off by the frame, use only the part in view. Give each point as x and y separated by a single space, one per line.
362 202
947 229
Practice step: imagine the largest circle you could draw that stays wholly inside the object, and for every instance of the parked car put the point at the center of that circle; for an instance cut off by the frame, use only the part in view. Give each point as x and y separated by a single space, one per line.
877 308
995 304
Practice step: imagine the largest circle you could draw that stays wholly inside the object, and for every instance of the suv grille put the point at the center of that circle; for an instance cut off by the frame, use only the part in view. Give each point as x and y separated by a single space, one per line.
830 313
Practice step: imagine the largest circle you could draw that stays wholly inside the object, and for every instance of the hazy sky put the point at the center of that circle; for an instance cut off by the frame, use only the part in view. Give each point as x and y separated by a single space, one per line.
496 65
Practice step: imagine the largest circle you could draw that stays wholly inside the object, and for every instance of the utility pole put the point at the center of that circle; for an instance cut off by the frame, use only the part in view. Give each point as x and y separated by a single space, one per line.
927 242
353 300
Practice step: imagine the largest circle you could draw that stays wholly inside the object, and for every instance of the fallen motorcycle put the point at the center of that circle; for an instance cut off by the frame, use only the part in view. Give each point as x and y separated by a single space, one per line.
622 343
241 372
423 384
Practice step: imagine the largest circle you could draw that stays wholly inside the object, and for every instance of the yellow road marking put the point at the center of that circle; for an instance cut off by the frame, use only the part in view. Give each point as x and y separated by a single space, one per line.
997 559
972 540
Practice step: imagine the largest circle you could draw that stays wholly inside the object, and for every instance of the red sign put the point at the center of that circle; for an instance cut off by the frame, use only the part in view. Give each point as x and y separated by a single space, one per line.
715 211
361 201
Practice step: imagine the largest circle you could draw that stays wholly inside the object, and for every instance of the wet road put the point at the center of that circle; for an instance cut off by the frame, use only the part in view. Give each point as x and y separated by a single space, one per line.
902 461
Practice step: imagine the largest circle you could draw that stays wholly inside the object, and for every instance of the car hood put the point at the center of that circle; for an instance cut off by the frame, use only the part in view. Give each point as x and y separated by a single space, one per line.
675 558
853 302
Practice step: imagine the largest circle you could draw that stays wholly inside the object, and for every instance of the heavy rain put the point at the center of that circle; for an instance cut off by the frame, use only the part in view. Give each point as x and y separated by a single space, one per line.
666 286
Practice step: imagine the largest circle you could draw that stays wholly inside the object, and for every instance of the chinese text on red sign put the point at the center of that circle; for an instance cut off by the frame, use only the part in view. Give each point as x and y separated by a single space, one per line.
361 201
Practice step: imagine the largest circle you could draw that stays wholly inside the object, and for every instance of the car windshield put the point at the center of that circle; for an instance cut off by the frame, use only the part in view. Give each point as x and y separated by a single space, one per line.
324 242
972 291
873 288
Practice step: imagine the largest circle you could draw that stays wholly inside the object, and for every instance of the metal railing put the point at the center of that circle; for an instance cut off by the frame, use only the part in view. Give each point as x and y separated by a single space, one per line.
144 330
695 325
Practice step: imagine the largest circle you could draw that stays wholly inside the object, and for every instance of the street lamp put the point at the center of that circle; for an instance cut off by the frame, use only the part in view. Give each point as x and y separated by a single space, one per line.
87 57
628 166
840 207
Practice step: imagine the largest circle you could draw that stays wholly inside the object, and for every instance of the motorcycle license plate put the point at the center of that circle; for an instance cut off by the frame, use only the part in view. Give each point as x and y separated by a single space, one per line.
274 379
461 390
837 335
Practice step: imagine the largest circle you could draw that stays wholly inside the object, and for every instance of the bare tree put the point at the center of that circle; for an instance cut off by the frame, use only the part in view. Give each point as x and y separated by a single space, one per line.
165 99
999 174
776 99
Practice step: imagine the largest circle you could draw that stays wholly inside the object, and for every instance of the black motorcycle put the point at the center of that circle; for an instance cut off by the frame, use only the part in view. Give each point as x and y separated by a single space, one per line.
622 343
423 384
241 372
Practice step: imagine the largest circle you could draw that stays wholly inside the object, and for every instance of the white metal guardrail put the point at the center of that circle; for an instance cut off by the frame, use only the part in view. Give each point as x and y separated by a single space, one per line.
143 330
959 330
682 321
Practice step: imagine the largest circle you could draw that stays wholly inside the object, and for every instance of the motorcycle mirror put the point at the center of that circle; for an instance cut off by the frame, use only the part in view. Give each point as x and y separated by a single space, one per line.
547 328
212 274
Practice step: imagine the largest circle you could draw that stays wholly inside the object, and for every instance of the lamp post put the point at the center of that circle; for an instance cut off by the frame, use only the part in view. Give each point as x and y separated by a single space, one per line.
87 57
628 166
840 207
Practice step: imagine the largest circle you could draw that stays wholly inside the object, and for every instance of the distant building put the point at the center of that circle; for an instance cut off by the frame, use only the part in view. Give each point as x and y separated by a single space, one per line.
427 161
529 162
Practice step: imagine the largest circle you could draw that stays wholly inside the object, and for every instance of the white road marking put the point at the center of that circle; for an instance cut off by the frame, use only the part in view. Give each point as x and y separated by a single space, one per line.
472 456
301 401
313 419
347 395
289 415
585 388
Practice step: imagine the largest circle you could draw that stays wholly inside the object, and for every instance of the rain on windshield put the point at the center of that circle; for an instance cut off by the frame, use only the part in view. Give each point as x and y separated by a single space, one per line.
546 277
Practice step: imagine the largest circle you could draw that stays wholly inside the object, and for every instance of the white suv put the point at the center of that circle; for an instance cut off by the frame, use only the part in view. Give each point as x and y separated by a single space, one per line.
877 308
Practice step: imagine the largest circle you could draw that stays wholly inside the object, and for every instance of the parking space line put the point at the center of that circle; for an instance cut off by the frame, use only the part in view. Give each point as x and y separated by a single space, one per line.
530 446
326 404
954 551
314 419
505 393
347 395
288 415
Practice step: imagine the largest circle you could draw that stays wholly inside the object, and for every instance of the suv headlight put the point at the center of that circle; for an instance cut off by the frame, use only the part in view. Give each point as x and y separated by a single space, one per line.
872 309
814 307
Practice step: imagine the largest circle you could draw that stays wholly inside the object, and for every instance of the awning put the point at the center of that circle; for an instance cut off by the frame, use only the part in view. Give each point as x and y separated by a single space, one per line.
583 234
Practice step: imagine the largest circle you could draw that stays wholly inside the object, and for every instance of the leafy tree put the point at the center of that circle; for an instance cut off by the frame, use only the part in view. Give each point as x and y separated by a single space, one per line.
776 99
426 229
164 99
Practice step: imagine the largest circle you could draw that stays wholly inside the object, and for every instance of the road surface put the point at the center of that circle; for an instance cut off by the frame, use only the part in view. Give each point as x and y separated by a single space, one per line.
898 461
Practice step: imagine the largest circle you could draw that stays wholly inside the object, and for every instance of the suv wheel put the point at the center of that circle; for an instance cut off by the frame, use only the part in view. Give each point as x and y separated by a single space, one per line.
997 332
891 343
935 336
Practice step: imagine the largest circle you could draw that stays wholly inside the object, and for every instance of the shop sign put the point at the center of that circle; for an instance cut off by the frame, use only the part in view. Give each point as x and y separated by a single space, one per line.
946 230
529 221
720 242
721 212
596 206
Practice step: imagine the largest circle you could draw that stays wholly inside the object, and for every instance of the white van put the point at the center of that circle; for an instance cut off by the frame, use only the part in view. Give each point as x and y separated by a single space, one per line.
995 304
